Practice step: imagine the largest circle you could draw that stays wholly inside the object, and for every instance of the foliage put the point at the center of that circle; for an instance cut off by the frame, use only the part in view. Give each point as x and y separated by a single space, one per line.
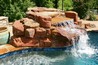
83 6
55 2
67 4
14 9
44 3
92 17
96 4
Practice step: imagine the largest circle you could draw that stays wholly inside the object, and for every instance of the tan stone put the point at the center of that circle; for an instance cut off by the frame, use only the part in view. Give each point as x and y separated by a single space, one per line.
45 21
31 24
18 28
40 33
30 32
72 14
45 43
24 42
41 9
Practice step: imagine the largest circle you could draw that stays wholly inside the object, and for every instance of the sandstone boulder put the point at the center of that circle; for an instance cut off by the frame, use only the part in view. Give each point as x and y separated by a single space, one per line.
30 23
45 43
40 33
24 42
41 9
72 14
30 32
45 21
18 28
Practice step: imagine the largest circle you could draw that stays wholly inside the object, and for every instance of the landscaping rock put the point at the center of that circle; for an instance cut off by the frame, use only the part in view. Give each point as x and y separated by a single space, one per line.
18 28
24 42
42 9
40 33
72 14
30 32
45 43
45 21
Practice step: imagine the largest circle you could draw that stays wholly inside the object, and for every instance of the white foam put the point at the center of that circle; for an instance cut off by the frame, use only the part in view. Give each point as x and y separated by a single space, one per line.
30 59
83 47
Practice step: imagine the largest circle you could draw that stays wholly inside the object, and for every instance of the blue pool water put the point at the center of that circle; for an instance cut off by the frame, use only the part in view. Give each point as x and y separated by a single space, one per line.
84 53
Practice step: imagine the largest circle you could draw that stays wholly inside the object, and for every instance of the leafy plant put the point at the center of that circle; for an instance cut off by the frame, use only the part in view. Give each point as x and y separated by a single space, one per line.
92 17
14 9
43 3
83 6
67 4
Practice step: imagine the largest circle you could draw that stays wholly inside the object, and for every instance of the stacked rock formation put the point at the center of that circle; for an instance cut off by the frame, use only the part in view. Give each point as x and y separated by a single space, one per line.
42 15
36 30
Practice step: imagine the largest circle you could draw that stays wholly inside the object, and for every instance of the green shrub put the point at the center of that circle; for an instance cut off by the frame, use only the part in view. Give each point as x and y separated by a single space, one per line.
83 6
44 3
67 4
14 9
92 17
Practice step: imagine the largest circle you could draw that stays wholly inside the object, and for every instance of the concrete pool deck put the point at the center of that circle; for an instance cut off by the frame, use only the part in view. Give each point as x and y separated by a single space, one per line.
9 48
91 22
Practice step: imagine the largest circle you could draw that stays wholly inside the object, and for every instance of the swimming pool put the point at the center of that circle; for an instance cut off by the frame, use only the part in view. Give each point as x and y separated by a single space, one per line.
81 54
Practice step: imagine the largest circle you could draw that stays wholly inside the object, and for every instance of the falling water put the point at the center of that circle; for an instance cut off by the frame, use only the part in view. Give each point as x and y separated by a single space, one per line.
83 46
